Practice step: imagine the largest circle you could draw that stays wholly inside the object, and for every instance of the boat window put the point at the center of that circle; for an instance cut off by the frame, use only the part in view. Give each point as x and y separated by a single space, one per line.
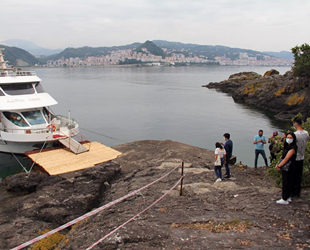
18 89
39 88
45 113
1 93
34 117
16 119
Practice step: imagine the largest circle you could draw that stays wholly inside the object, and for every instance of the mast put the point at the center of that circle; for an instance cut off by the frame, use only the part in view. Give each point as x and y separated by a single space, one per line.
2 62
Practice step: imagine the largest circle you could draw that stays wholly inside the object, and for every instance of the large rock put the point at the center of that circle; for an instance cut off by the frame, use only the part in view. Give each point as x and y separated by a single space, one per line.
24 183
285 95
271 72
239 213
50 201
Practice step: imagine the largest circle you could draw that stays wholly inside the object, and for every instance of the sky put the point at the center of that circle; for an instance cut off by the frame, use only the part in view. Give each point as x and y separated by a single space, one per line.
264 25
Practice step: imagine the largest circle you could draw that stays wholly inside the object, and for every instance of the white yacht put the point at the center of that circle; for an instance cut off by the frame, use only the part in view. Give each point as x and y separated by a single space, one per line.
26 121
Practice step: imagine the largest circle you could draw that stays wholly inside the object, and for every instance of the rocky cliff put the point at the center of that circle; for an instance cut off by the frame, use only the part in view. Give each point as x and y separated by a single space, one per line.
285 95
240 213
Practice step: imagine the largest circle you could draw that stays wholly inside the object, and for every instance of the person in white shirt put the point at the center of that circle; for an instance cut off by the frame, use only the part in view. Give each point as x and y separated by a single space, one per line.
220 156
302 138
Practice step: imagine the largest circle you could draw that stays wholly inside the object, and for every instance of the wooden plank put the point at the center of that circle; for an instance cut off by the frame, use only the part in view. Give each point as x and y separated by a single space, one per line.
62 160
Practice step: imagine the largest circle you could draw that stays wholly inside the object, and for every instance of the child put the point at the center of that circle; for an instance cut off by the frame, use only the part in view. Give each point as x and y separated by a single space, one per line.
220 155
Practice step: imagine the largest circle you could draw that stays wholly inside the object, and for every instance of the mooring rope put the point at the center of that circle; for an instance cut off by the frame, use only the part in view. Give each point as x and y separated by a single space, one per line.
107 136
137 215
91 213
36 157
15 156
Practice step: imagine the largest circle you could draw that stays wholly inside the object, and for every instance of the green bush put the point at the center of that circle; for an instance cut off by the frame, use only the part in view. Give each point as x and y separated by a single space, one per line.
306 171
302 60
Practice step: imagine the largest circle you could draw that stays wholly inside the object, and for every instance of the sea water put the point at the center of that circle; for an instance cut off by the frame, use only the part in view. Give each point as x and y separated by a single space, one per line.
155 103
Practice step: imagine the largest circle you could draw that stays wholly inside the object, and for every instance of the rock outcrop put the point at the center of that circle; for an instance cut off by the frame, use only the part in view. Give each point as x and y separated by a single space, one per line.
284 95
240 213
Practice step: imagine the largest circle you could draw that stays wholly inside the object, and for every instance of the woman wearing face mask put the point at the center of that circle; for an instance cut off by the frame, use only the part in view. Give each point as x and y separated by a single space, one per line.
288 155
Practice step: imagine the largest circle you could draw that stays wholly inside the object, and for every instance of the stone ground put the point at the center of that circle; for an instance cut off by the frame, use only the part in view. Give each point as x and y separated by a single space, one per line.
240 213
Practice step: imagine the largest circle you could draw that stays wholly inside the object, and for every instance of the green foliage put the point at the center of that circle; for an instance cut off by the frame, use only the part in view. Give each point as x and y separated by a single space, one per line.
276 174
12 54
84 52
152 48
302 60
306 171
209 51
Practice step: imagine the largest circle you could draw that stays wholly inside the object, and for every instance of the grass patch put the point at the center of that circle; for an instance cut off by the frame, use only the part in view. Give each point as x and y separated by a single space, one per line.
217 227
49 243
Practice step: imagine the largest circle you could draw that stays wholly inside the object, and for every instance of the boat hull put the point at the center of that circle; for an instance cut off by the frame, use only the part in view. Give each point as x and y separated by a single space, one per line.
22 147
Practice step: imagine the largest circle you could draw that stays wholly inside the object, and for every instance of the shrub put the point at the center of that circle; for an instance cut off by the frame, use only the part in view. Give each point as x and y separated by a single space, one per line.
302 60
306 171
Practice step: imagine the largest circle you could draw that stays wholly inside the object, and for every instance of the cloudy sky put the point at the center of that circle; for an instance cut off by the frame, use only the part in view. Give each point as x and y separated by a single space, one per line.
264 25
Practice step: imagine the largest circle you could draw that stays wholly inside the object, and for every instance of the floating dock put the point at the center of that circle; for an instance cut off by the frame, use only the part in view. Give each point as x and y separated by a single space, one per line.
61 160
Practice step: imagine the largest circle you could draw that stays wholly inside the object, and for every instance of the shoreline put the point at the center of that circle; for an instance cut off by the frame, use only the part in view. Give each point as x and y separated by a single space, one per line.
146 66
245 204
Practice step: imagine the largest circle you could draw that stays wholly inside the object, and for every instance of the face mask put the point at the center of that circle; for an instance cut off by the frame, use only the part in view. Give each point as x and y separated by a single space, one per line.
289 141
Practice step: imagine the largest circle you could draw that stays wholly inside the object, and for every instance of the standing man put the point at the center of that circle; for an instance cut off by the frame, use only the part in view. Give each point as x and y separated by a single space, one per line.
228 146
260 141
302 137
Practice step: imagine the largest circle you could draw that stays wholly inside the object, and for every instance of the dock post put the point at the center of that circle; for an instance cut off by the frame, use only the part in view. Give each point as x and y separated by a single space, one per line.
182 171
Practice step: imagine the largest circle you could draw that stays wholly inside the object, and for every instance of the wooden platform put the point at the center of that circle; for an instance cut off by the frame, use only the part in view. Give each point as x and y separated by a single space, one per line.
62 160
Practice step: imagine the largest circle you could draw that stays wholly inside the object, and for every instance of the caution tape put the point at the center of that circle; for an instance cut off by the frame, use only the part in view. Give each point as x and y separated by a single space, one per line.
91 213
128 221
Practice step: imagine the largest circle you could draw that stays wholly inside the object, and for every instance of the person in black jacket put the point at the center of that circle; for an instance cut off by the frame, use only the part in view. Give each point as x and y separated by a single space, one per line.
288 156
229 149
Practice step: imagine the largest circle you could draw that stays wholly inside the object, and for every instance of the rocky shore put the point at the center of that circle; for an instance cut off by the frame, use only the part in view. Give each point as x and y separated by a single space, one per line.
240 213
284 95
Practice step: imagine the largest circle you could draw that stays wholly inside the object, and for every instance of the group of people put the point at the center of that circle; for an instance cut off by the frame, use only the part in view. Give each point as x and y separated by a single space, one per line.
290 164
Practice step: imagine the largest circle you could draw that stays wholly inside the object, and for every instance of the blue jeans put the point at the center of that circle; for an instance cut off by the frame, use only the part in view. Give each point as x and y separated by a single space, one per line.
218 169
262 152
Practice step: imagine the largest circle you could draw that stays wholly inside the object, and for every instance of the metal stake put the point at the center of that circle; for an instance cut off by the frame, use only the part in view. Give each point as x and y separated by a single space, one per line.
182 171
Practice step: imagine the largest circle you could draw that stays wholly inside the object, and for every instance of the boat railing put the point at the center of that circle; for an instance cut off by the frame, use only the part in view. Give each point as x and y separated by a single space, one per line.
70 123
25 130
17 73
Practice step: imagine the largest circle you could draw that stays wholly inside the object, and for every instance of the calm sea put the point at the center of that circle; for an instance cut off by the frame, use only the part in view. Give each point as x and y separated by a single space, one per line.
155 103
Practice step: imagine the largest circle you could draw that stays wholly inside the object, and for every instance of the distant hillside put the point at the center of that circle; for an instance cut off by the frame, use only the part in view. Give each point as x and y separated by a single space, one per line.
84 52
31 47
152 48
156 48
209 51
281 54
18 57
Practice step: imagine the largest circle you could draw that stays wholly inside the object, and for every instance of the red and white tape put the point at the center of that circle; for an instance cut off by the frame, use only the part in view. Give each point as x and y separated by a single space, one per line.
91 213
124 224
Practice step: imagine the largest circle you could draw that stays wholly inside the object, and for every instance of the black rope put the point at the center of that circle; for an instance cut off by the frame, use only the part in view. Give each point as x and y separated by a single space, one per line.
110 137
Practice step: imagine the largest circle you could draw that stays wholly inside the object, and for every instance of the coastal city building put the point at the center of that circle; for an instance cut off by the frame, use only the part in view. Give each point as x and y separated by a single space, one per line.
130 56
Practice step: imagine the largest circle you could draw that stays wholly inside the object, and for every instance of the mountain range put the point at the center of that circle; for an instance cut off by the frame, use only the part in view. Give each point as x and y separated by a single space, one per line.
23 52
31 47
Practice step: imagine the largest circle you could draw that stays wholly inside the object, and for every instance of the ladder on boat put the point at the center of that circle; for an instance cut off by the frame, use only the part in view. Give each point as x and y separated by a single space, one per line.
73 145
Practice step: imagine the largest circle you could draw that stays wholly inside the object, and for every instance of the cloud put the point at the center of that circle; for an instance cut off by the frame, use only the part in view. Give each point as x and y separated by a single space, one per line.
261 25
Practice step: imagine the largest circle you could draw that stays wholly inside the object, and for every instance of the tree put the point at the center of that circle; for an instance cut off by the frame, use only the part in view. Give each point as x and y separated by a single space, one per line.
302 60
